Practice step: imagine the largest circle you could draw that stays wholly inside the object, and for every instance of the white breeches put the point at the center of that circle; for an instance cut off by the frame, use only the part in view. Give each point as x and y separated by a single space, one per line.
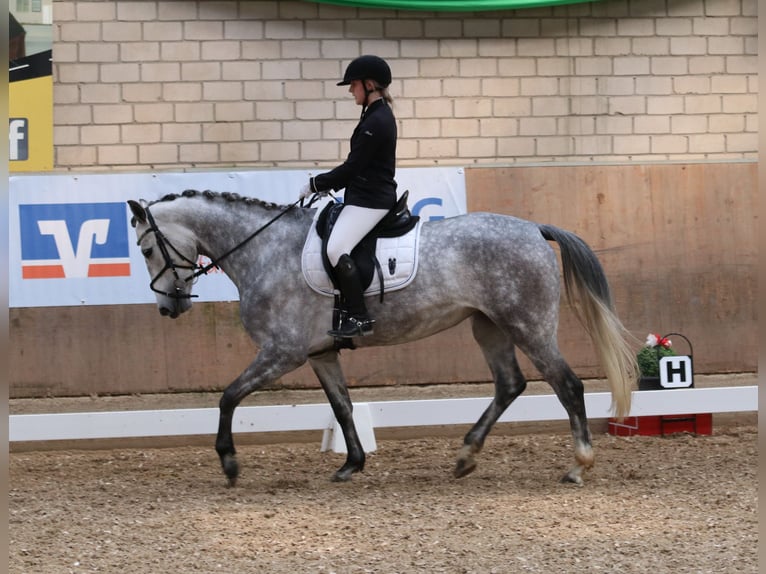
353 224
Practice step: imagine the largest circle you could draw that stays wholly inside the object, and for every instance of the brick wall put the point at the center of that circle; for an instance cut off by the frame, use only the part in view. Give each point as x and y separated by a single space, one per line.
179 84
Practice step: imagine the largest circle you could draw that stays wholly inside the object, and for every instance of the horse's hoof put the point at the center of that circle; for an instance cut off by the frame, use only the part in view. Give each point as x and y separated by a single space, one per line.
569 478
464 467
232 482
341 477
230 468
344 473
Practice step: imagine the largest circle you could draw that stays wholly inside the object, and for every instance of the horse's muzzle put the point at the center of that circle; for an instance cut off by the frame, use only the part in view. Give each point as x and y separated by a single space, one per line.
165 312
173 307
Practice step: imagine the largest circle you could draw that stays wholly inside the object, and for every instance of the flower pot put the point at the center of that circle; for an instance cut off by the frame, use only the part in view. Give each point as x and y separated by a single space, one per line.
649 384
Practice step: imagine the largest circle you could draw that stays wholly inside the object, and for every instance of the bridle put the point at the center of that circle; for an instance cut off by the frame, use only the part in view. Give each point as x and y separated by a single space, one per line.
165 247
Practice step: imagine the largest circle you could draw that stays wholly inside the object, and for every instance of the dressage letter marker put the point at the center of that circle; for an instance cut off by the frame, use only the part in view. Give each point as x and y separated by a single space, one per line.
676 372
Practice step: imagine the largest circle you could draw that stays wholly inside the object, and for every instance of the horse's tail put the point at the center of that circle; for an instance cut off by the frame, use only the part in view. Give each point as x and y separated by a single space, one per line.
588 293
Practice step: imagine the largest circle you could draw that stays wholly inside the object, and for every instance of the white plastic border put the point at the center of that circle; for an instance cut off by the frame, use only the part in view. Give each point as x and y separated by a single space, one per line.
368 416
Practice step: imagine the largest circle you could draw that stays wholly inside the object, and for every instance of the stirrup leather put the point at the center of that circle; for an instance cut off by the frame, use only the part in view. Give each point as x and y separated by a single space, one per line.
353 327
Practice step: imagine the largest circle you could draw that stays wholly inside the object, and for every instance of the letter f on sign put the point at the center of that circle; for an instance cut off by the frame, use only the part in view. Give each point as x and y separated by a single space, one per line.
17 134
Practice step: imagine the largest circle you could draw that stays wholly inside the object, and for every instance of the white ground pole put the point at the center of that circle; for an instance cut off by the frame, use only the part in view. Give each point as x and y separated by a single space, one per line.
367 416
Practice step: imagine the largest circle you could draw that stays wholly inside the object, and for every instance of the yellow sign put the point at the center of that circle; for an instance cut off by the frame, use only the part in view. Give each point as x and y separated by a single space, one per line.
30 114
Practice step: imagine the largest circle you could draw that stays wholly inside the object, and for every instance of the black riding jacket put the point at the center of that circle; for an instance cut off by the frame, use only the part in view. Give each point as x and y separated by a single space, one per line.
368 172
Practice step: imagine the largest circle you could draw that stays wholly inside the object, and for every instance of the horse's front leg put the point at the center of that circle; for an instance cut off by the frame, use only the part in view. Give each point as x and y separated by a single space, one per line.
333 382
266 367
224 442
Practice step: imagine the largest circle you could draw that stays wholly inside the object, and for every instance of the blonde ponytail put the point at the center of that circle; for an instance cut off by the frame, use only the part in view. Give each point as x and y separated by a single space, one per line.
386 95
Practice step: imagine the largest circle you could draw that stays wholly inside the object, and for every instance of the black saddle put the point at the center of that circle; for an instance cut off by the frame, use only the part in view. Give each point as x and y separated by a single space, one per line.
396 223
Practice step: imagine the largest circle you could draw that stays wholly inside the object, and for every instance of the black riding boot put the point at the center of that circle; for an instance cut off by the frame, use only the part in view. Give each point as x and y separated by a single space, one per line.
355 322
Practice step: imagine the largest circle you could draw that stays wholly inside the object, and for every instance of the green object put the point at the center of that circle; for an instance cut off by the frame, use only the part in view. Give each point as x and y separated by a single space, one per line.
450 5
649 360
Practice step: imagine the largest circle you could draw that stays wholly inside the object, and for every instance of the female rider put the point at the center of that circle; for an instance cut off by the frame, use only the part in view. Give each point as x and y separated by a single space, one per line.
368 178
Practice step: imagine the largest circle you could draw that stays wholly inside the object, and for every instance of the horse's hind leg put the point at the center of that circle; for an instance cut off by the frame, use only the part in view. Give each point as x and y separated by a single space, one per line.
333 382
570 393
509 383
569 389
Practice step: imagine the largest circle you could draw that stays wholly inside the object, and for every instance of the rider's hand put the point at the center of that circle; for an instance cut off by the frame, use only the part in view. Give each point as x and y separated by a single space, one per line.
305 191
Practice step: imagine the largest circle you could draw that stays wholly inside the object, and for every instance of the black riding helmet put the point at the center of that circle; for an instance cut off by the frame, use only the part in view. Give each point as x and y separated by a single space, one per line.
364 67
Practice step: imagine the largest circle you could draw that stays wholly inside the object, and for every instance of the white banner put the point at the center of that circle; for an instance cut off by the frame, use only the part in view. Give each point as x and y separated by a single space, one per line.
71 242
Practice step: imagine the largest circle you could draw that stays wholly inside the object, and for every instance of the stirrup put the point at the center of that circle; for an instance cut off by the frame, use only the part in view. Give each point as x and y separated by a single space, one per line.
353 327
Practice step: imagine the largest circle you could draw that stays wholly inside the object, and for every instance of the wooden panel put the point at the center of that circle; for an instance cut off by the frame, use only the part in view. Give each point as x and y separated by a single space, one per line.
123 349
677 242
75 351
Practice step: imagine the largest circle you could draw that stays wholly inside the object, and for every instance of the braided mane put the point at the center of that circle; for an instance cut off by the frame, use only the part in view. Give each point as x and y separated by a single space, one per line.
219 196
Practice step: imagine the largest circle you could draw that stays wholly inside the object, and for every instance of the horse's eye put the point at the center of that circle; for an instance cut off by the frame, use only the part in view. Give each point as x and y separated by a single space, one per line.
147 251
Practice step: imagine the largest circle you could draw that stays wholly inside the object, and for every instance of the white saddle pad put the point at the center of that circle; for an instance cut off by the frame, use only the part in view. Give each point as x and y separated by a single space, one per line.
398 257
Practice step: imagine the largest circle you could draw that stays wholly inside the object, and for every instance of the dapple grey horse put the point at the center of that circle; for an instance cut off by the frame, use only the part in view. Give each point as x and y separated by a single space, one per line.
498 271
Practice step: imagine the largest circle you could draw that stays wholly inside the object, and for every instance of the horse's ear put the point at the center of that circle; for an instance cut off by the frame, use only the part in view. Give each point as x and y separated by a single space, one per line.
139 213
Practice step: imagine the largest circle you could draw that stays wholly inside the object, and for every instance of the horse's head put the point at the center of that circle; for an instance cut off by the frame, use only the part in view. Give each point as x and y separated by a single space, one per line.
170 254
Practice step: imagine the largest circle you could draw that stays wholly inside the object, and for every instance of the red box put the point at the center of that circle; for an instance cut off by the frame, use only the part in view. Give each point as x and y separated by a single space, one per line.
661 425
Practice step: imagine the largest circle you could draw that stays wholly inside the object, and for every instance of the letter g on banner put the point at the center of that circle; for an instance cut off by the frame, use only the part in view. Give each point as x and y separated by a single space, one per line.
416 209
